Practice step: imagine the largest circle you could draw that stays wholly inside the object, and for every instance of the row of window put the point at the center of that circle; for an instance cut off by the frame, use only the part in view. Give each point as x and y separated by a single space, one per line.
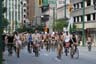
80 4
87 18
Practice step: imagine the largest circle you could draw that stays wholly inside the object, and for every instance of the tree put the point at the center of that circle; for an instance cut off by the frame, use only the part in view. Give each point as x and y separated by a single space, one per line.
72 28
59 24
3 23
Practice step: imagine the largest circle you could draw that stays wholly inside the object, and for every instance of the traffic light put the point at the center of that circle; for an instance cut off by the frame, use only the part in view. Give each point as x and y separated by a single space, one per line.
40 2
94 4
70 8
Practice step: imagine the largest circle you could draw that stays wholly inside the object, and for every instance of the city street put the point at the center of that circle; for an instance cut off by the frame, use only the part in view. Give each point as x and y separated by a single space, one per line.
50 57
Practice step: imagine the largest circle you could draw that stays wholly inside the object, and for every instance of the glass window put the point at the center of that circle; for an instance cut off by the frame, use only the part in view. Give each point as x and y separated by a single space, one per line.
88 17
88 2
81 18
77 5
74 19
81 4
94 16
74 6
77 18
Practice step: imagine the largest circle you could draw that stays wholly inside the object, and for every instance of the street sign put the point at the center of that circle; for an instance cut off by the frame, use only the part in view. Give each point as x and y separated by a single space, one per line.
45 2
52 1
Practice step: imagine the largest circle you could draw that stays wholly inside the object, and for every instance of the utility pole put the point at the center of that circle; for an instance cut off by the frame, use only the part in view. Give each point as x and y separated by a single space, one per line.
65 9
83 24
54 18
1 31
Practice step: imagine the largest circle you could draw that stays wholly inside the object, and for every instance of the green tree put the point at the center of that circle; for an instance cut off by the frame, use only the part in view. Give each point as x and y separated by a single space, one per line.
59 24
3 23
72 28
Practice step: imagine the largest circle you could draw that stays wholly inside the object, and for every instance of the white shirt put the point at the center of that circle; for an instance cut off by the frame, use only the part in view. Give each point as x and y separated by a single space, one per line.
67 38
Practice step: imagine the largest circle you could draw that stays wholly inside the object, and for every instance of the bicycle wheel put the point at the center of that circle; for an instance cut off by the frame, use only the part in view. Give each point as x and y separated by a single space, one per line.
76 54
66 51
89 47
71 52
18 52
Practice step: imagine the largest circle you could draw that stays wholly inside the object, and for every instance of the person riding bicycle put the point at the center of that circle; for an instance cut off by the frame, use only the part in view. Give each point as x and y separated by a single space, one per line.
89 42
17 43
74 41
36 41
67 40
30 42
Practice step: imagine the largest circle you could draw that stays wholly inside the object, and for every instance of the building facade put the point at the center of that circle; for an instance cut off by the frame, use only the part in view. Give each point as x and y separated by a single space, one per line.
30 10
14 13
58 12
89 18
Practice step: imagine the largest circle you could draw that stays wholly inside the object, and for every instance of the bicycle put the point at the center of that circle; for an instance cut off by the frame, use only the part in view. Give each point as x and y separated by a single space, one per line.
74 51
89 47
67 45
30 44
36 48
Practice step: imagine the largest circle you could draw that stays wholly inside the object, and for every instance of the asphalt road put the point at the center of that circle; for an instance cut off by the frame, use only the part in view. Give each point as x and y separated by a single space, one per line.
50 57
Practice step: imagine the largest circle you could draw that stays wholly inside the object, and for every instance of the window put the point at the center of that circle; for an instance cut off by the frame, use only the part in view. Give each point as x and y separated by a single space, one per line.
88 2
74 6
24 10
24 21
94 16
77 18
81 18
88 17
81 4
24 5
77 5
24 16
74 19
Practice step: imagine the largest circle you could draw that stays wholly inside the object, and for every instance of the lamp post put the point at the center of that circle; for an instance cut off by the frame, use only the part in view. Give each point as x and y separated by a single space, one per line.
54 18
1 31
83 24
65 9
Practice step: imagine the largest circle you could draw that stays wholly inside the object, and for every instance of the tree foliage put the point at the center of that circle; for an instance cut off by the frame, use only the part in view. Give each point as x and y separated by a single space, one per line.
72 28
4 20
59 24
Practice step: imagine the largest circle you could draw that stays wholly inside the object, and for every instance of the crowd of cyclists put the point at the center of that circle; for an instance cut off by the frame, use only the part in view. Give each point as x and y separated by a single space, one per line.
60 42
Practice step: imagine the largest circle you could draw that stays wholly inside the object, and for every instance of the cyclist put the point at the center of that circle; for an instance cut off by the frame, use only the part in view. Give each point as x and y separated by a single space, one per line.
89 42
74 41
36 43
67 38
17 44
30 42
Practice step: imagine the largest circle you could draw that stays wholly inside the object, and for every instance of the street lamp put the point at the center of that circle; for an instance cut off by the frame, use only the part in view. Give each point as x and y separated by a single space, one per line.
83 24
65 9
